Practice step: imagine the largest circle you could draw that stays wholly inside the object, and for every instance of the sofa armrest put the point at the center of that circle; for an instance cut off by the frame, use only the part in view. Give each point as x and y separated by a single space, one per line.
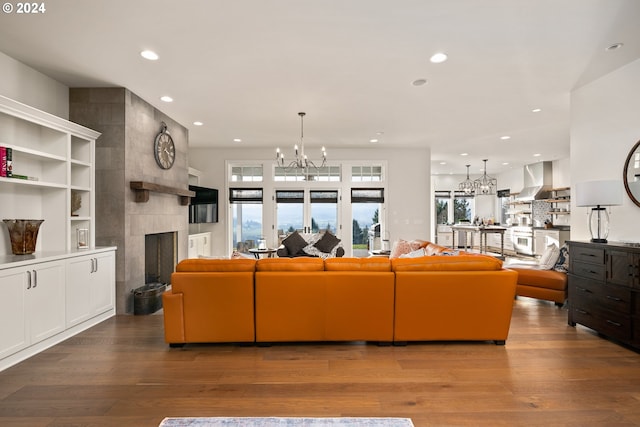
173 308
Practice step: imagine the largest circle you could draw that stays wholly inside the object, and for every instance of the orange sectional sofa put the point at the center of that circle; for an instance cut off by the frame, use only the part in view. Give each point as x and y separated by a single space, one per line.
464 297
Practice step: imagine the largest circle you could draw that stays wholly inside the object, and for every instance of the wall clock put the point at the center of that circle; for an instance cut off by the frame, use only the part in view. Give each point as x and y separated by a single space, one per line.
164 149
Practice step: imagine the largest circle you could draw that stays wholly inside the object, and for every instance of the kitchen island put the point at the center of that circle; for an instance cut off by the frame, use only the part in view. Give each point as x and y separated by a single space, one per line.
483 230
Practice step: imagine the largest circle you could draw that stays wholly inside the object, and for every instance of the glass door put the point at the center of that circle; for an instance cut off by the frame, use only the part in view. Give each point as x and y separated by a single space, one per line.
306 211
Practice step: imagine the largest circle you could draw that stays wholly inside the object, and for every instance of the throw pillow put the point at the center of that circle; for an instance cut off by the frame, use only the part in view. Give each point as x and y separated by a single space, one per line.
549 257
399 247
294 243
414 254
562 265
327 242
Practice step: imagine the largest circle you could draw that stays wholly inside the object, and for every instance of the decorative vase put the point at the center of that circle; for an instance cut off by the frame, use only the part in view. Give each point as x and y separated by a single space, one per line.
23 234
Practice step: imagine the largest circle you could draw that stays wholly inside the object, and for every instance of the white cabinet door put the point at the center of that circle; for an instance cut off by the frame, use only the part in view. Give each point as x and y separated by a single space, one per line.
192 250
13 330
103 283
78 291
206 244
90 286
46 300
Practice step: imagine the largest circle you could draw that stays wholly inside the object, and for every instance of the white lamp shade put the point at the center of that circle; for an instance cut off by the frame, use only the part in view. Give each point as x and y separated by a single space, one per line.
599 193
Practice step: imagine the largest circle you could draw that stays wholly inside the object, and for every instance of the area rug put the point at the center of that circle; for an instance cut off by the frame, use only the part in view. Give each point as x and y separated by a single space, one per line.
286 422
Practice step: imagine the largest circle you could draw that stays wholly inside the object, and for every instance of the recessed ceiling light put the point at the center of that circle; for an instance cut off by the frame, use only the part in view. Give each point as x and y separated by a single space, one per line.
237 140
438 58
166 98
536 110
537 155
443 163
373 140
464 154
419 82
198 123
505 163
505 137
614 46
150 55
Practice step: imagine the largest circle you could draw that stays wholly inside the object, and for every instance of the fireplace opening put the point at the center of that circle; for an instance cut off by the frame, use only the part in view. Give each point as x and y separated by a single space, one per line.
160 257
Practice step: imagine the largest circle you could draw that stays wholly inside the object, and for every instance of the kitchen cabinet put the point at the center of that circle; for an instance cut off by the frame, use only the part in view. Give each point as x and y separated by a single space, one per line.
199 245
444 236
543 238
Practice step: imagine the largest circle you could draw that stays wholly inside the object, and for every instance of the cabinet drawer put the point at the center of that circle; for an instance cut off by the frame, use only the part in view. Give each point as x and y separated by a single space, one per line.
588 255
613 325
601 297
590 271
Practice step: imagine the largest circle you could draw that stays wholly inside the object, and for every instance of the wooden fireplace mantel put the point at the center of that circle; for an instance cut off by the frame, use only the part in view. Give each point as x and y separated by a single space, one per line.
143 188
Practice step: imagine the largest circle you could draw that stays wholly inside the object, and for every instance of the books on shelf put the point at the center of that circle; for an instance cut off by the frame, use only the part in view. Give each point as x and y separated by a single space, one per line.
6 161
6 165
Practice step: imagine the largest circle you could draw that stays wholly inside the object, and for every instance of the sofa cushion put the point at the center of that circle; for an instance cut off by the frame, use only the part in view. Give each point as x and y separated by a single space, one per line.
433 249
468 262
216 265
357 264
294 243
327 242
532 275
290 264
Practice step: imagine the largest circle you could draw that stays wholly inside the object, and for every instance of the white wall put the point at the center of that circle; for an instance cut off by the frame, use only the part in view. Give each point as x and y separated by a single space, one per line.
26 85
605 124
407 195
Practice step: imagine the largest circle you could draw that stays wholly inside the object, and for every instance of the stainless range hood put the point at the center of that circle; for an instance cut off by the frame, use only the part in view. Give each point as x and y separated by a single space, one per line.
537 182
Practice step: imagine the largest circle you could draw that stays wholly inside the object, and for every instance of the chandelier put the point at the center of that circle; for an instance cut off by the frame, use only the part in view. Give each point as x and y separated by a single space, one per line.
467 186
485 184
301 160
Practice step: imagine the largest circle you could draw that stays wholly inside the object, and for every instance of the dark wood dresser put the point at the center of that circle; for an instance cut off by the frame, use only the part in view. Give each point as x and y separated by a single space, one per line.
604 289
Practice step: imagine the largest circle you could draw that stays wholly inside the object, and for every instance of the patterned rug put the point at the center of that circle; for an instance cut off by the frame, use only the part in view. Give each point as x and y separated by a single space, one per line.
286 422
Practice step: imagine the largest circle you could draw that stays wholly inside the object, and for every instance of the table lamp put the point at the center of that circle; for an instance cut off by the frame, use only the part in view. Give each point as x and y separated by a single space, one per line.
599 194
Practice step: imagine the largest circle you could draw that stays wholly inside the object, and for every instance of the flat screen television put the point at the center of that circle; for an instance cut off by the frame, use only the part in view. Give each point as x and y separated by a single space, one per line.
203 207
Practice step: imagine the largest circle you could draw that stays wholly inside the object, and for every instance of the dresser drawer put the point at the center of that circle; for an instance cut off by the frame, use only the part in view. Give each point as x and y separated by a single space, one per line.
587 254
614 325
590 271
599 296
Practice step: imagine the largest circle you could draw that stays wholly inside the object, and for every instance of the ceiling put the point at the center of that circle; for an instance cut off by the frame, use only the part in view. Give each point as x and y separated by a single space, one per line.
245 68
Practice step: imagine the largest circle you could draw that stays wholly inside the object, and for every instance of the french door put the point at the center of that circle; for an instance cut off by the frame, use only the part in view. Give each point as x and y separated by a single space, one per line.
306 211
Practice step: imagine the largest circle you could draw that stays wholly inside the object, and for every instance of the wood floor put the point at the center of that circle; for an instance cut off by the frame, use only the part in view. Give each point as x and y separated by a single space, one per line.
120 373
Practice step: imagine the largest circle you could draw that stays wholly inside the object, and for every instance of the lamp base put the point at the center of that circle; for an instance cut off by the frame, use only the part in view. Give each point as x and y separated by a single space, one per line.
598 240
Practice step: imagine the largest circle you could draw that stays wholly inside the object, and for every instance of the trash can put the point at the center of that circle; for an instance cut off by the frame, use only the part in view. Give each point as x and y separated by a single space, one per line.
147 299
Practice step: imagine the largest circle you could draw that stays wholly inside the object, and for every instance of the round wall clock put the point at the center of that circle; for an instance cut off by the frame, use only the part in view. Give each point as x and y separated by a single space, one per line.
164 149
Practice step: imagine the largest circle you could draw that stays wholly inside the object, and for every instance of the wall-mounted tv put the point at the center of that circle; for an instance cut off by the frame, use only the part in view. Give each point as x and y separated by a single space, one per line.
203 207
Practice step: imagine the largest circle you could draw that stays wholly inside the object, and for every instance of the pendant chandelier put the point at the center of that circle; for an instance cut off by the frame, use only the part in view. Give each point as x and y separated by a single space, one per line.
485 184
467 186
301 160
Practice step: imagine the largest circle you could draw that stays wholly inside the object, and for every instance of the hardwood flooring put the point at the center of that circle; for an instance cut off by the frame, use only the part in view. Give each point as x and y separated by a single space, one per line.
121 373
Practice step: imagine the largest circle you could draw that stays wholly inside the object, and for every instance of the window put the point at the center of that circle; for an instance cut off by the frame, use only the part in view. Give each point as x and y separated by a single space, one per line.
366 173
324 211
366 206
246 216
321 174
252 173
463 207
442 203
